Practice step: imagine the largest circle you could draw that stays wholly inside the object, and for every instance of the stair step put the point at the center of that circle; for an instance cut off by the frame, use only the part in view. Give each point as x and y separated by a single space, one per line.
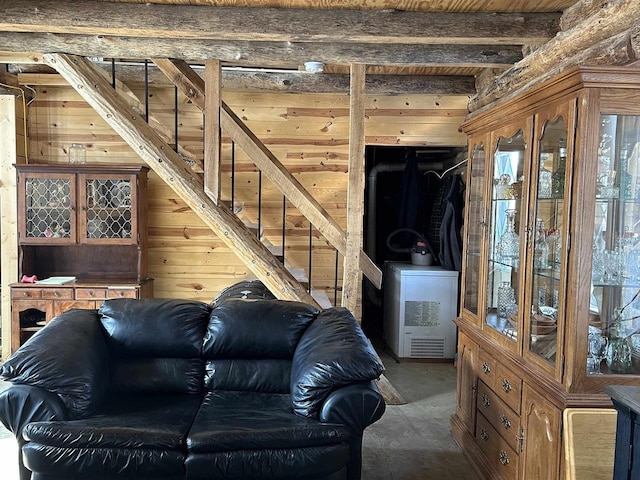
321 297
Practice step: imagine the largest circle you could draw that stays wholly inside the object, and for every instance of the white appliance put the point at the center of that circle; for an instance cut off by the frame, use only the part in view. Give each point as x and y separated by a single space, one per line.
420 304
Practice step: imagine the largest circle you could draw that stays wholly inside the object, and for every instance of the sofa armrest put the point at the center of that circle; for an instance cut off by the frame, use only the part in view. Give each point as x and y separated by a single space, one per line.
68 357
332 353
356 406
22 404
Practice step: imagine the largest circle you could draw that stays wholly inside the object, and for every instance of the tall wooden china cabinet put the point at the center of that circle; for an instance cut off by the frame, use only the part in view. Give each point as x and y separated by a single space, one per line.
82 221
550 305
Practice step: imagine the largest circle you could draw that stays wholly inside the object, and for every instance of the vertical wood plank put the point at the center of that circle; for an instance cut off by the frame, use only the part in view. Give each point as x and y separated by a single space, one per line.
212 135
352 277
10 113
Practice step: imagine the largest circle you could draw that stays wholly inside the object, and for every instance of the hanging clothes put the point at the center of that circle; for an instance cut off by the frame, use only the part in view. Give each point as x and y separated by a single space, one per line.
451 227
410 195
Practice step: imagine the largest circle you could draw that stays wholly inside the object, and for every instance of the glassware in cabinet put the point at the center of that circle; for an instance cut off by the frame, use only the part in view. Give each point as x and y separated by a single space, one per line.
49 209
108 207
506 221
615 298
547 220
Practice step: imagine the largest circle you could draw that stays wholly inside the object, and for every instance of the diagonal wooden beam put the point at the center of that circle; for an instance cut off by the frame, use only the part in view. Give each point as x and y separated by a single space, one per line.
192 85
166 133
92 86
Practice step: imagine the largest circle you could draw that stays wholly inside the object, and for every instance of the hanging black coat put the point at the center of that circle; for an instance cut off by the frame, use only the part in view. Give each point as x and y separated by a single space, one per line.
451 228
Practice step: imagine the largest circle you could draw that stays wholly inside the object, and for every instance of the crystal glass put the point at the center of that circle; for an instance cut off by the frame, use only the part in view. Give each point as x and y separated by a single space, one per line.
541 247
557 181
509 244
77 153
506 300
544 179
597 352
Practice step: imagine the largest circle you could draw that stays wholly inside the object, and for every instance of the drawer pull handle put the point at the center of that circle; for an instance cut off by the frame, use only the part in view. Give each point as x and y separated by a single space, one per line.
486 368
122 294
506 423
56 294
504 458
485 400
483 434
506 385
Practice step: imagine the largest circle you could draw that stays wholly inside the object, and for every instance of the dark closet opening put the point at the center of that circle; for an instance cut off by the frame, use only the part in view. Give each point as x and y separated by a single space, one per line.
393 202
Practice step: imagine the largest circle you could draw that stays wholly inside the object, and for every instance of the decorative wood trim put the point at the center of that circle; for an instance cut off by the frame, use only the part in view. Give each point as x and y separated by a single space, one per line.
352 276
90 84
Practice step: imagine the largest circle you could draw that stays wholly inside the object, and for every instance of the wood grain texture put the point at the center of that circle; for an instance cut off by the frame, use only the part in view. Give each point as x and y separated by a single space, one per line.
609 36
11 121
317 159
352 276
89 83
276 24
212 133
408 5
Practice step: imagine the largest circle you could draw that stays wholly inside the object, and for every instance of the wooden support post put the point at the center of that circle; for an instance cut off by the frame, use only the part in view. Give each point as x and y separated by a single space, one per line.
352 277
12 151
212 137
183 76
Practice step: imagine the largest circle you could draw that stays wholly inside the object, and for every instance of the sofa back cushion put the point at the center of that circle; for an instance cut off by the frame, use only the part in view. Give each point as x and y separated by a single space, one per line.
249 344
155 344
332 353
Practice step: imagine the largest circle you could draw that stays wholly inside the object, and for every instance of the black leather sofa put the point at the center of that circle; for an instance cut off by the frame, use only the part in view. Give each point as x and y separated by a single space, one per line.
178 389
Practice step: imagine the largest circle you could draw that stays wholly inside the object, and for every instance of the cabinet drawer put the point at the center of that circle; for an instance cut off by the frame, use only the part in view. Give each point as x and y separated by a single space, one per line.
508 387
18 293
503 419
91 293
500 456
486 368
57 293
122 293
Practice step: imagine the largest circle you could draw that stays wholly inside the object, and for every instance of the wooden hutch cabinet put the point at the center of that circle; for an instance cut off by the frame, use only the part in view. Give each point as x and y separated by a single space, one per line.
550 311
82 221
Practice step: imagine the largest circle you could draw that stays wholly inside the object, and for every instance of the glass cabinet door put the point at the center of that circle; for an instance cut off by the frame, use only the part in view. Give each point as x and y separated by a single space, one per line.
614 320
474 226
49 209
544 312
506 230
106 212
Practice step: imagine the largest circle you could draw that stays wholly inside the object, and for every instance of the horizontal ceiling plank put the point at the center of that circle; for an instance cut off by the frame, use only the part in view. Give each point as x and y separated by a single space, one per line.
271 54
275 24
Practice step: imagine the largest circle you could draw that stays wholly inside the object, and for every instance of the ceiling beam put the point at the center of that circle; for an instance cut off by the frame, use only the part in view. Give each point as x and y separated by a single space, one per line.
287 82
263 54
191 22
611 35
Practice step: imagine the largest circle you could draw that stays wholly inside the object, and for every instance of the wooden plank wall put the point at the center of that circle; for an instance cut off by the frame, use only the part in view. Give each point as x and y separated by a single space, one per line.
307 132
12 150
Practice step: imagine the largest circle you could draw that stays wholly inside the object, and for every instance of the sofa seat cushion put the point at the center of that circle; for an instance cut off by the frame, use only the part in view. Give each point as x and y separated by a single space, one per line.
327 462
138 436
229 421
